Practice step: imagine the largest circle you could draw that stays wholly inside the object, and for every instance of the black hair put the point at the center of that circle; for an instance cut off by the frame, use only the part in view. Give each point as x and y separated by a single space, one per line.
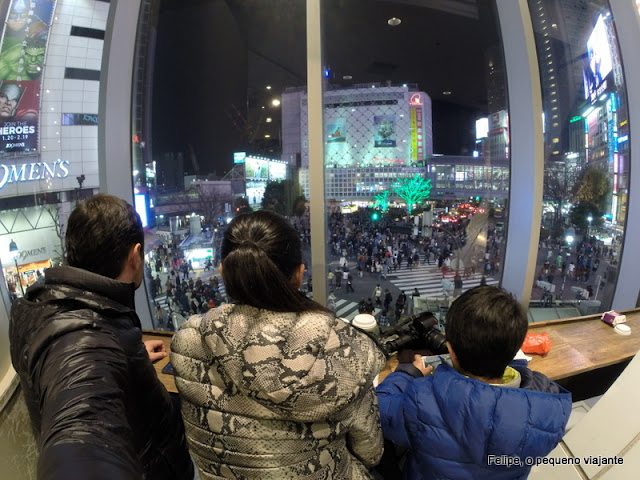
100 233
260 254
486 326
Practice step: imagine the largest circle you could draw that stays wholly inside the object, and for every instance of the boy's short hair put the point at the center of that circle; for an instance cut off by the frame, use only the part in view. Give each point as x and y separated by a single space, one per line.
486 326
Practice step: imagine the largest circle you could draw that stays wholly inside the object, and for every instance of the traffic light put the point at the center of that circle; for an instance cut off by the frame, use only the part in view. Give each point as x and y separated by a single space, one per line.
375 216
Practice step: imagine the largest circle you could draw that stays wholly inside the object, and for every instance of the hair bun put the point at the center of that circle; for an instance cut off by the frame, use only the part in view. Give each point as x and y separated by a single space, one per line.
249 243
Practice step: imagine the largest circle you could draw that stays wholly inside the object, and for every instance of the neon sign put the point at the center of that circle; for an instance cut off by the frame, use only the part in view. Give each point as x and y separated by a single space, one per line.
416 99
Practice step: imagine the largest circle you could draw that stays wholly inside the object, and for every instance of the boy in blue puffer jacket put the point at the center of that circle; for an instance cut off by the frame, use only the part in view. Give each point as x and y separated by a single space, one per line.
486 417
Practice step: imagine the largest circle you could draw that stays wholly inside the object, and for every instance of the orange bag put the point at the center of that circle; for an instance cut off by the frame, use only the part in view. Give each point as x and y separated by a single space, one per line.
536 343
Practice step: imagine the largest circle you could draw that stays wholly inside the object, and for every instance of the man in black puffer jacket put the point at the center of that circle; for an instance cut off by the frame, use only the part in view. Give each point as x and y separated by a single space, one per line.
96 405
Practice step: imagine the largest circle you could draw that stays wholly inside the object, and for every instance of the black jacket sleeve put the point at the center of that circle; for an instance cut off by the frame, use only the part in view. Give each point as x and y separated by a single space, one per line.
84 429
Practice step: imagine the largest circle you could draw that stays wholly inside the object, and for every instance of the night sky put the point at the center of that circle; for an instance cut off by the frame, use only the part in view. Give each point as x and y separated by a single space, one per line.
214 58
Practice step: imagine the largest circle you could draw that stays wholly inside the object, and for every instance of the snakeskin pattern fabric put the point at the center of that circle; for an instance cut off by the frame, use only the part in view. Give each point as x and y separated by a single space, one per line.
277 396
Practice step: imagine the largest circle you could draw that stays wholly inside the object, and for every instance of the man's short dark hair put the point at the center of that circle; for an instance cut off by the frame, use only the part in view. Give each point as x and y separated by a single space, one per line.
486 326
100 234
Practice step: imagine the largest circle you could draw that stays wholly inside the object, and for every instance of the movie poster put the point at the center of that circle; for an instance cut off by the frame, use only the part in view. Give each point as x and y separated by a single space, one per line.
384 130
25 39
336 130
21 62
19 116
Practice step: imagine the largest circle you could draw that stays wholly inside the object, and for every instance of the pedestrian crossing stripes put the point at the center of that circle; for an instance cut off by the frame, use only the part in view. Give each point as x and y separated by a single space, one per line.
348 310
162 298
428 280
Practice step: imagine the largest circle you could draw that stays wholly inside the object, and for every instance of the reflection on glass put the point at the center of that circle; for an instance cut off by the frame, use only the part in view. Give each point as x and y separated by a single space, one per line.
586 158
416 171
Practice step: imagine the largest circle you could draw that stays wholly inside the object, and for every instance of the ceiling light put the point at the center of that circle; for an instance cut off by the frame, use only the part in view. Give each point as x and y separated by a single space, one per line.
394 21
446 92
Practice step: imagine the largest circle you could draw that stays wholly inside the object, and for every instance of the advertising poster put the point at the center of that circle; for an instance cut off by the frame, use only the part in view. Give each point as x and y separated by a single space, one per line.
21 61
419 132
384 130
277 171
336 131
255 192
25 39
414 135
598 61
19 116
256 168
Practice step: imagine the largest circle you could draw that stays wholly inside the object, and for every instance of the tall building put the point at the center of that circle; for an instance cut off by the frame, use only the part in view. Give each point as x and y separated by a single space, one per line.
374 134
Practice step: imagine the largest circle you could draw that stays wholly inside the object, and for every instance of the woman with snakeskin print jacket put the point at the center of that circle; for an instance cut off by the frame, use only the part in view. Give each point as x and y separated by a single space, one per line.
273 386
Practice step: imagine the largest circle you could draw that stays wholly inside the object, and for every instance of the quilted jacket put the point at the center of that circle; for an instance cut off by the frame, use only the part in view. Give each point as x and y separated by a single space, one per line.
457 427
96 405
274 396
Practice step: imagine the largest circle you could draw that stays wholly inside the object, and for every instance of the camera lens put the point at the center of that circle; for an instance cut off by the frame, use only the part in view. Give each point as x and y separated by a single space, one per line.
436 342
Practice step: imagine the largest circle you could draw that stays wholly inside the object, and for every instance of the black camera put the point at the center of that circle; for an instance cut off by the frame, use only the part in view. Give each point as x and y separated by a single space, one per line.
416 332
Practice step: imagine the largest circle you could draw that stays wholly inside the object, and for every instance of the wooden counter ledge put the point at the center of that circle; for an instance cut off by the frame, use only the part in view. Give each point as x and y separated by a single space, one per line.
578 345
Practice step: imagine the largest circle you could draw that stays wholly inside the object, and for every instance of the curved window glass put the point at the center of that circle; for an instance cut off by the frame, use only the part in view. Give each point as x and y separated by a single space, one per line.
416 153
586 171
48 134
207 138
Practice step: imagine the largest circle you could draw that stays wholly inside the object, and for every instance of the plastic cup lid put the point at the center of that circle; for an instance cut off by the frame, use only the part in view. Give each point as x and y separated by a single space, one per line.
622 329
365 322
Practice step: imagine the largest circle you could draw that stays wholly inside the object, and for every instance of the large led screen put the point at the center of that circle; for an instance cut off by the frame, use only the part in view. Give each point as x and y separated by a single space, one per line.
598 63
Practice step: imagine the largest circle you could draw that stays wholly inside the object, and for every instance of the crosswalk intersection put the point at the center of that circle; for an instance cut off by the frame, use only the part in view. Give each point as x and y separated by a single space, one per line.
348 310
428 280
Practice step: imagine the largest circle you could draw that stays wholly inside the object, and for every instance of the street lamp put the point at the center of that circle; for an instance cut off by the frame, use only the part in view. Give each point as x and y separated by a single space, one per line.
570 236
589 219
13 250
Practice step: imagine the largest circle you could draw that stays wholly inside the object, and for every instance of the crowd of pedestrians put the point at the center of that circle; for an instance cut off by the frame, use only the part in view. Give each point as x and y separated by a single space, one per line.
368 249
185 292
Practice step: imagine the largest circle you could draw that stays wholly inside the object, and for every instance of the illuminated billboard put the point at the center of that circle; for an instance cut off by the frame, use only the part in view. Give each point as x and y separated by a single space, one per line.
498 122
256 168
598 63
482 128
337 131
255 192
384 130
140 201
277 171
21 63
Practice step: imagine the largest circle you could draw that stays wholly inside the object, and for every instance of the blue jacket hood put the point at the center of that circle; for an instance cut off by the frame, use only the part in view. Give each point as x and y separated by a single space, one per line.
487 420
453 423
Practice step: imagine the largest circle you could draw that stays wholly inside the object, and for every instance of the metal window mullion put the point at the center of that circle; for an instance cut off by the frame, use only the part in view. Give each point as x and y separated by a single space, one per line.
627 22
316 150
527 148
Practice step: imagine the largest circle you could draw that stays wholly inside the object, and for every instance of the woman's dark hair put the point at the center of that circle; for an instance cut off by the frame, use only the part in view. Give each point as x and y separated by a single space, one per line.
100 234
486 326
260 253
